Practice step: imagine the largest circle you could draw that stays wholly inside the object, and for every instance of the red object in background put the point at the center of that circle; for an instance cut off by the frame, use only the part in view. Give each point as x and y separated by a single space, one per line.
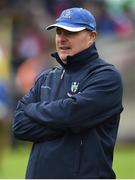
26 74
124 28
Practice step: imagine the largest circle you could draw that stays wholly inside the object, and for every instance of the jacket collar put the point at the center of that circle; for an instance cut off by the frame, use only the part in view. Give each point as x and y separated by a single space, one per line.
78 60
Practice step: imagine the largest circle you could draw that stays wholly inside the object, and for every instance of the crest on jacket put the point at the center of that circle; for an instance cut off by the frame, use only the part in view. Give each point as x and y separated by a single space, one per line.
74 86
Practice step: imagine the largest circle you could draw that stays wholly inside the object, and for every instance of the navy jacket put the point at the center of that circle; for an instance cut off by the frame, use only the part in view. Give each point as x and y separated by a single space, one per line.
72 115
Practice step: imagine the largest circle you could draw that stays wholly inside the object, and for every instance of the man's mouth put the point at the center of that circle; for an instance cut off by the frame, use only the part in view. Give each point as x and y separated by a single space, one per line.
64 48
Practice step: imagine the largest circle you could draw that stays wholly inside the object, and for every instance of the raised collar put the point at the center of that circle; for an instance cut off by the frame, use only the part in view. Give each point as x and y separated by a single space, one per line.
78 60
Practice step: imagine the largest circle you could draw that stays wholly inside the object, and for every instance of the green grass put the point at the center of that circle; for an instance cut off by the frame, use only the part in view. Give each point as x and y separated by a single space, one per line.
15 162
124 161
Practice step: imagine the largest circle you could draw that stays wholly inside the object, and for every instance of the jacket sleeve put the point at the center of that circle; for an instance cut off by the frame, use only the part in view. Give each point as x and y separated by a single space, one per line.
25 128
100 99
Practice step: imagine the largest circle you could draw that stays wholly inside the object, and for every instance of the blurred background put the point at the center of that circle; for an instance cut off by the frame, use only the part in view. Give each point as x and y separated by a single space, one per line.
25 49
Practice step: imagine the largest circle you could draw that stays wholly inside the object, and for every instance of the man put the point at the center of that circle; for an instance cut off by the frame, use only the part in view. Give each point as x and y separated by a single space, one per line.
72 113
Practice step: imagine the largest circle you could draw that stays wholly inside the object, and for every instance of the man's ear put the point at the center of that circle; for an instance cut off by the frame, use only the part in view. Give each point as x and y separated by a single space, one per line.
93 36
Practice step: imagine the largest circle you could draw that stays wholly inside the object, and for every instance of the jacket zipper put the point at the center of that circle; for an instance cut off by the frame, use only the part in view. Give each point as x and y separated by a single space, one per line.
81 148
80 156
62 75
60 83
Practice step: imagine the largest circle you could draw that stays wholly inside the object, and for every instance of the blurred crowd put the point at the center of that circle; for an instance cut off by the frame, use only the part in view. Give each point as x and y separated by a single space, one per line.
25 45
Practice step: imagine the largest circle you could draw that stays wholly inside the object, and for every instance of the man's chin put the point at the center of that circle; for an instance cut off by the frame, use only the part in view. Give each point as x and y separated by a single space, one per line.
64 59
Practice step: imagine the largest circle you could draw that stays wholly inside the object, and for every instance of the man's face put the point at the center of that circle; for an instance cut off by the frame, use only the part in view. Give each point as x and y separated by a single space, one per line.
70 43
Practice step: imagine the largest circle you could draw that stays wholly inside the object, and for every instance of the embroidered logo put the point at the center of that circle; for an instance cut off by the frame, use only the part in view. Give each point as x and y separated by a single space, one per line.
74 86
66 14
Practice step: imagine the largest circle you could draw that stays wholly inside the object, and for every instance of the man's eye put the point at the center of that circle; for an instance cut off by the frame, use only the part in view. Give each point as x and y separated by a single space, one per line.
58 32
70 33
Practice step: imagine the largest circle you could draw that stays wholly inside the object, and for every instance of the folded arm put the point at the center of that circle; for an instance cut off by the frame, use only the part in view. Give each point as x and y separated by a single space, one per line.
100 99
25 128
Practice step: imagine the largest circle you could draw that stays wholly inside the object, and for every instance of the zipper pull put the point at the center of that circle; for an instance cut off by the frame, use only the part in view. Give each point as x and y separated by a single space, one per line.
81 142
62 75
